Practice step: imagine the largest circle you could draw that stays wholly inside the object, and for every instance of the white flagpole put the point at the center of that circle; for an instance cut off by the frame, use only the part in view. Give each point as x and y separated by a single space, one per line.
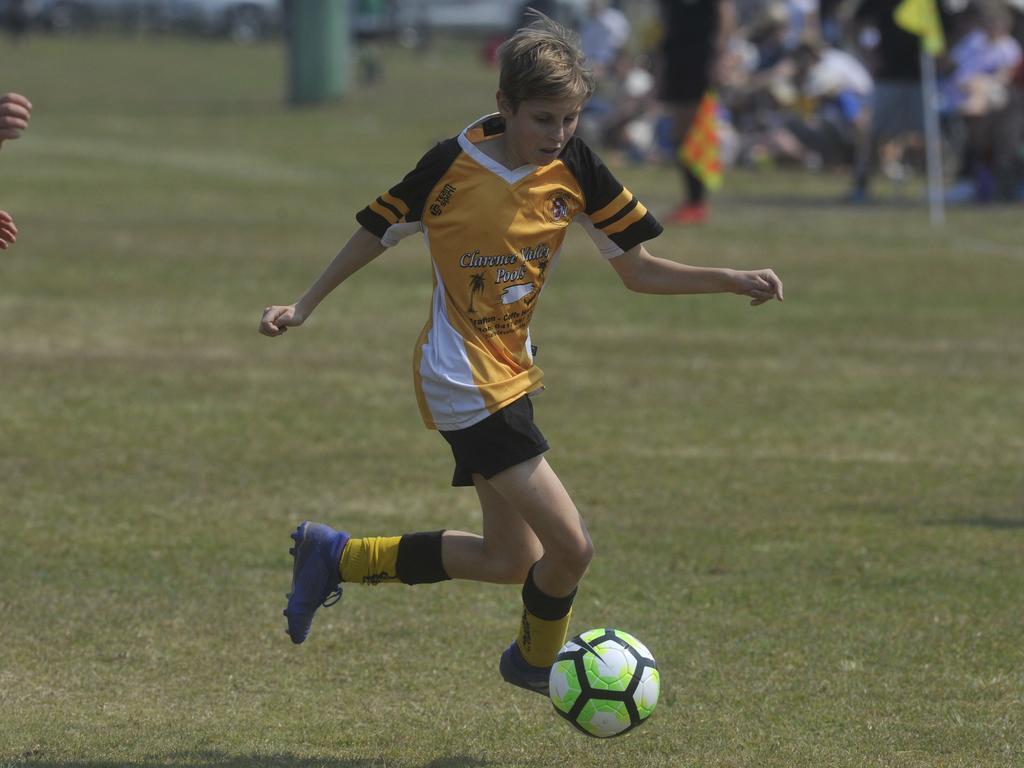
932 139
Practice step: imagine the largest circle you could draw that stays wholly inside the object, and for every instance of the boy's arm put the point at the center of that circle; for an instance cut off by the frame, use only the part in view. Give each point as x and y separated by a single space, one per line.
362 248
644 273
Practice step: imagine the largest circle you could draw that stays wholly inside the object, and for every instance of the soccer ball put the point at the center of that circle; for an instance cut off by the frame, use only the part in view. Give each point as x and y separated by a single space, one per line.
605 682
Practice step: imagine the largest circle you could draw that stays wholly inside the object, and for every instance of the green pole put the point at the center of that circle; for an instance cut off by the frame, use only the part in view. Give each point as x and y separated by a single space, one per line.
318 50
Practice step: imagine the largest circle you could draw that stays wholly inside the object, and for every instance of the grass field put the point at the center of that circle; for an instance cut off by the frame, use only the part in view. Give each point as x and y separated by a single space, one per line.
813 513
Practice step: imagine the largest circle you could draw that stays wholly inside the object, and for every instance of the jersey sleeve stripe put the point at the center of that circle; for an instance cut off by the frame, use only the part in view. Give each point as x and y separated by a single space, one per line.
613 207
624 211
641 230
635 215
385 211
405 200
372 221
394 202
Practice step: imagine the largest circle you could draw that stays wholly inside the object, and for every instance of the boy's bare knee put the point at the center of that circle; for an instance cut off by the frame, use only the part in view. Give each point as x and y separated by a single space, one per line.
576 555
516 569
512 565
585 555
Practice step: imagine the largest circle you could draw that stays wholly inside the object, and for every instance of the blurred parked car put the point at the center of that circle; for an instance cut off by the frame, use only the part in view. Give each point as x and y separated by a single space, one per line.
243 21
413 22
489 16
410 22
75 15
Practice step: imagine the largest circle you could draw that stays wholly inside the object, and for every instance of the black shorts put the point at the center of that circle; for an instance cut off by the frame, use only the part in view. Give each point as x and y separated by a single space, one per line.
502 440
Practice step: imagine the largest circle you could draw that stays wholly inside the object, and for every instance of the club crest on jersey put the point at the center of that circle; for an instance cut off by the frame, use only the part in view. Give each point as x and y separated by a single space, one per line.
559 208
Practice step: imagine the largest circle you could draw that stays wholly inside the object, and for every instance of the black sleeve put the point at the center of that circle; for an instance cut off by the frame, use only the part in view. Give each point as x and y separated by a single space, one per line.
614 210
405 200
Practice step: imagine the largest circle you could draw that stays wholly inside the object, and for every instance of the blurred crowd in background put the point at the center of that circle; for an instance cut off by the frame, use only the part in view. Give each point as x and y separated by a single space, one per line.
796 80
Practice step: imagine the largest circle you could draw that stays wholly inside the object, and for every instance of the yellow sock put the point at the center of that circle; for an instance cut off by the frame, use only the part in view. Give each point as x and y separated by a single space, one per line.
539 640
370 561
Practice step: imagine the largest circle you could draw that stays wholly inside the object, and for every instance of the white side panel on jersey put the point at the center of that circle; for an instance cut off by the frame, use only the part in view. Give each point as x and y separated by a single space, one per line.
398 232
445 373
551 271
604 243
553 264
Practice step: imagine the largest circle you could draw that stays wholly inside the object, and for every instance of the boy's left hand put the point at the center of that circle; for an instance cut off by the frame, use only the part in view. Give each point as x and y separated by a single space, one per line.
760 285
8 231
15 111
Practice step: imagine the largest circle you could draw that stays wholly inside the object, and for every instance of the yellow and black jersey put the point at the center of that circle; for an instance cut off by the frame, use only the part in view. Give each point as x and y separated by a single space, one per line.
494 236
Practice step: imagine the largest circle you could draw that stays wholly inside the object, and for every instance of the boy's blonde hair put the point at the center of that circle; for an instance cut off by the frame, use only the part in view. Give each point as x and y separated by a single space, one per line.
543 61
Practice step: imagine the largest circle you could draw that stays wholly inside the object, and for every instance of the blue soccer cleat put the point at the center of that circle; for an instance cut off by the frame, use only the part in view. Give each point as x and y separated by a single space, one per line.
315 575
518 671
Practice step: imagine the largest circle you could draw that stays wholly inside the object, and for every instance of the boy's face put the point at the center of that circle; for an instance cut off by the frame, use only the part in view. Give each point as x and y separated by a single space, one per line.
536 132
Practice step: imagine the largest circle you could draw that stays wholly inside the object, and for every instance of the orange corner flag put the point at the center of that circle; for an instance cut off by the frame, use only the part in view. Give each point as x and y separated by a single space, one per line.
699 152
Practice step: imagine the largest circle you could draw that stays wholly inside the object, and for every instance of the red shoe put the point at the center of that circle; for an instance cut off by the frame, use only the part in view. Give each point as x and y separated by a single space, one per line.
690 214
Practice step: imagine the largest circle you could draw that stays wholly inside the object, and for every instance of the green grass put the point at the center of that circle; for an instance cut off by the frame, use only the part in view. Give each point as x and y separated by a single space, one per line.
812 513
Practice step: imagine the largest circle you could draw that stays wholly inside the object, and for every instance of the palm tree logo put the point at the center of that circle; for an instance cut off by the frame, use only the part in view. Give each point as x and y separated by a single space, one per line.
476 285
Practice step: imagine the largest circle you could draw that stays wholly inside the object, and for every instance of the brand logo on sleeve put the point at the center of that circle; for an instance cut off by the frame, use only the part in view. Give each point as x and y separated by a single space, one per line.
443 198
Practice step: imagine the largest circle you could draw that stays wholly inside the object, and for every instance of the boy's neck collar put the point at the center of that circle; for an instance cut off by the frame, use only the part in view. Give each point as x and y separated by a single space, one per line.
497 150
485 128
480 139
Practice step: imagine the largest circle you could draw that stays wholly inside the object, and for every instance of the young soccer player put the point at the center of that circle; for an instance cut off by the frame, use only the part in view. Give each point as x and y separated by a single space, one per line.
493 205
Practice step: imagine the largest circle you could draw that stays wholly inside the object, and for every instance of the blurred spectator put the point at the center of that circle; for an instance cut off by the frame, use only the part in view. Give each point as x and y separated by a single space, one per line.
984 63
622 115
16 18
769 33
801 21
603 35
896 106
756 76
822 108
830 21
1015 110
839 88
603 38
695 34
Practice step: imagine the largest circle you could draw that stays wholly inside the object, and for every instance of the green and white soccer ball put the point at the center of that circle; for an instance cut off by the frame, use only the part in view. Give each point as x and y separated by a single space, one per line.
605 682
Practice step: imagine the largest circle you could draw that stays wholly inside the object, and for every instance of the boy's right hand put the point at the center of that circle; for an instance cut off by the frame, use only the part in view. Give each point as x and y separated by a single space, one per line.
276 320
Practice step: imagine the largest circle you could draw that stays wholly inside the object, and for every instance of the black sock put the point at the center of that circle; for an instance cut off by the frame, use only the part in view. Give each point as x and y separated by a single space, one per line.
419 559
